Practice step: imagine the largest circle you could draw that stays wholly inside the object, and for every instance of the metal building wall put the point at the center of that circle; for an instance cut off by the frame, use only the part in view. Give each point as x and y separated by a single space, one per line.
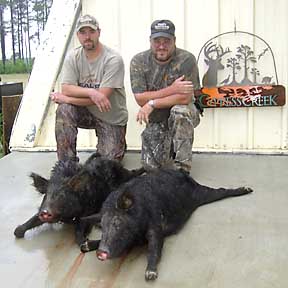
125 27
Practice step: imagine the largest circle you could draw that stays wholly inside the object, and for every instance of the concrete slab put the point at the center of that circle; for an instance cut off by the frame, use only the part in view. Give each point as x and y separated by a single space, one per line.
239 242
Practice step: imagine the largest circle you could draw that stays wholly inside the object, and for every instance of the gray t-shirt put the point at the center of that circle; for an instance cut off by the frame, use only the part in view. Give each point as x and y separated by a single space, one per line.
107 70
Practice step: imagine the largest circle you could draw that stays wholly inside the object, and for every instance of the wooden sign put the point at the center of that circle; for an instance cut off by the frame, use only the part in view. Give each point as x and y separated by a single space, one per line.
241 96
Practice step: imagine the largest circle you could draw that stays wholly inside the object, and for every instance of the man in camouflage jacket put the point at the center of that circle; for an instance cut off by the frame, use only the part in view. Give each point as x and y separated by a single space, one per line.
163 80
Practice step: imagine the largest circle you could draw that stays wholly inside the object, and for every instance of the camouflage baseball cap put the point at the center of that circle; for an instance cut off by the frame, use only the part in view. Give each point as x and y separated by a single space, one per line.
162 28
87 21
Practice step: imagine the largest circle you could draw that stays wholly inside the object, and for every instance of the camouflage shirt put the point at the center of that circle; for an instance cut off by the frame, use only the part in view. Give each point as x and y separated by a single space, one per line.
147 75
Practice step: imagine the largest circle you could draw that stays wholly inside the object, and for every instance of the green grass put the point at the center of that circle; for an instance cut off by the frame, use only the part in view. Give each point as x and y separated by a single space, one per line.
20 66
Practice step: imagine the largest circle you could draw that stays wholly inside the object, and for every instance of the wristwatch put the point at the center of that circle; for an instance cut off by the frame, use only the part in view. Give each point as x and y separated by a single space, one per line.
151 103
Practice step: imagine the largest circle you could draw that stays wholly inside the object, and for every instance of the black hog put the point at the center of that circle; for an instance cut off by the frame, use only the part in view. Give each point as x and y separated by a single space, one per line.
76 190
147 209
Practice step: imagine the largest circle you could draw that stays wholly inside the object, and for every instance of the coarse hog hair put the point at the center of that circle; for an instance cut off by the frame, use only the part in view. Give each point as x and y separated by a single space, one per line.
75 190
147 209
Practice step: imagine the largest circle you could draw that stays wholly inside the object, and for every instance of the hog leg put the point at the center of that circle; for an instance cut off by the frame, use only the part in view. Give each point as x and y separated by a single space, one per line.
81 231
92 220
34 221
155 245
83 227
137 172
89 245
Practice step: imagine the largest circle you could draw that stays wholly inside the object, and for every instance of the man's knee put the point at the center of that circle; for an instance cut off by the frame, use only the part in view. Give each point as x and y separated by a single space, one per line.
112 141
156 144
180 109
63 110
184 114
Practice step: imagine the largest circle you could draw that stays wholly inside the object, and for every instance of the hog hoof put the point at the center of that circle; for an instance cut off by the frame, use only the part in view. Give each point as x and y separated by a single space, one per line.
19 232
151 275
247 189
84 247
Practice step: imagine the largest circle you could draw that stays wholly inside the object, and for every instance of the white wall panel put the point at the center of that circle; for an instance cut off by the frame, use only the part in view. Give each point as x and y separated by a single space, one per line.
135 23
202 23
232 125
125 27
271 25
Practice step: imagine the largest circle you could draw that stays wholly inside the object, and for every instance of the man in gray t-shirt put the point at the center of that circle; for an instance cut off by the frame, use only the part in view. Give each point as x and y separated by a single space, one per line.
93 95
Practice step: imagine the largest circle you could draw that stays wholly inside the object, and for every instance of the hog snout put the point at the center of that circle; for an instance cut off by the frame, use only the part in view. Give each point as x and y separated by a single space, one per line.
102 255
45 216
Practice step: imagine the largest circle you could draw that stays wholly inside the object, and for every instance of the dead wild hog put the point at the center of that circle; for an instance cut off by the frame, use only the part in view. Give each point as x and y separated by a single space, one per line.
76 190
147 209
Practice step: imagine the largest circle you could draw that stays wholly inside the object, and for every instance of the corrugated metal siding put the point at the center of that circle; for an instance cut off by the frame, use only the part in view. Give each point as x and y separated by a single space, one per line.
125 27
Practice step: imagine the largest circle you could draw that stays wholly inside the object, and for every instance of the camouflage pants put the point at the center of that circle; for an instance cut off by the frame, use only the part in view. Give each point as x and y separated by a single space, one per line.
162 142
111 138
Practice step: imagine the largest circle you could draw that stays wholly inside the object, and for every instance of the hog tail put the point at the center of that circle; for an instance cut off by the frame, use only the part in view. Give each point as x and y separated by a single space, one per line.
208 195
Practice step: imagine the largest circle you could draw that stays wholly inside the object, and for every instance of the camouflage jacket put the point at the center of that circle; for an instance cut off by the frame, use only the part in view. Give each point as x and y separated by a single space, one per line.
147 75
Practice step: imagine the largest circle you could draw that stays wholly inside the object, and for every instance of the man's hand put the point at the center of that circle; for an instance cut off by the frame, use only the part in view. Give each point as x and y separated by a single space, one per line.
100 100
181 86
143 113
59 98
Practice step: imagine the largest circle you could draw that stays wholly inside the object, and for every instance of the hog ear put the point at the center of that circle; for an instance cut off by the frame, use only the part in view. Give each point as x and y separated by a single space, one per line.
93 156
97 154
40 183
78 182
125 201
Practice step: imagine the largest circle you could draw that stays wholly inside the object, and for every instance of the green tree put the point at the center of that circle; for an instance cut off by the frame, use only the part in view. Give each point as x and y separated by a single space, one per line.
25 21
12 30
41 10
3 5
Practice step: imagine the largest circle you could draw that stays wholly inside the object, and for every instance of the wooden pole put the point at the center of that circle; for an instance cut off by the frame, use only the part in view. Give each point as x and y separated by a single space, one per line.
10 105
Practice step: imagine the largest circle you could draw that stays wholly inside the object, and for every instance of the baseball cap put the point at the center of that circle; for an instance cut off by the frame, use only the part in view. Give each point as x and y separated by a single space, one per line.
87 21
162 28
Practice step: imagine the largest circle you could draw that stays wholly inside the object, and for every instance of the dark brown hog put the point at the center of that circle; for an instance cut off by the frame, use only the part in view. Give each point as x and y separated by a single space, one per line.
147 209
75 190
